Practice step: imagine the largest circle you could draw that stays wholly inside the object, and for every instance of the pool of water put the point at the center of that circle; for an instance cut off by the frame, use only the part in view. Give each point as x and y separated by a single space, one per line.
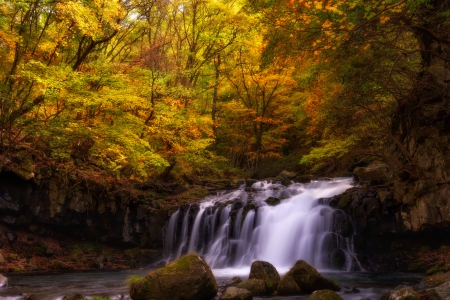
113 284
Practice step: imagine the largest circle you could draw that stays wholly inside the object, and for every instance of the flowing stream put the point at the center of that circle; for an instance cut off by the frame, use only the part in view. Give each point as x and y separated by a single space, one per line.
113 284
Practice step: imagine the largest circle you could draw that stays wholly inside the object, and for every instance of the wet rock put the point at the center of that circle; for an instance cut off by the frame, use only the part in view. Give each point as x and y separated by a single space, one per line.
287 175
272 201
401 293
227 283
266 272
309 280
342 224
189 277
3 281
344 201
256 286
360 219
373 207
338 258
302 179
235 293
324 295
376 173
288 286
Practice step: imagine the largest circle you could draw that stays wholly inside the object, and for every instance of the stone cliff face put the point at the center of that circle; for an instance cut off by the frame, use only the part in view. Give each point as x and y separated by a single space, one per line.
383 239
83 209
423 128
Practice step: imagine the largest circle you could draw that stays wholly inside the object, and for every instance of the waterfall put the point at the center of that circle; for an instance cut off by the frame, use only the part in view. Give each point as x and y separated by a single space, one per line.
231 230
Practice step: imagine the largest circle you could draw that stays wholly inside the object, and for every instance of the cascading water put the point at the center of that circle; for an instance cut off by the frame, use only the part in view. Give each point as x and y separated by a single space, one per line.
234 229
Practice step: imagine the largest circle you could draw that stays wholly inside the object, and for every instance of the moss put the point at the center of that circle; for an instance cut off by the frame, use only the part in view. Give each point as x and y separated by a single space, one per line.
344 202
12 257
272 201
181 264
133 279
434 270
76 254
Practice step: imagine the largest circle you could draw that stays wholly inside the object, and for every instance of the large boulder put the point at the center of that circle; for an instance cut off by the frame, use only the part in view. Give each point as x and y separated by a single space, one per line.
235 293
309 280
287 286
266 272
3 281
256 286
376 172
188 278
324 295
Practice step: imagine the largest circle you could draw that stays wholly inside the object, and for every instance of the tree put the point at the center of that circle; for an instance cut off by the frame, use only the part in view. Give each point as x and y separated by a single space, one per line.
345 36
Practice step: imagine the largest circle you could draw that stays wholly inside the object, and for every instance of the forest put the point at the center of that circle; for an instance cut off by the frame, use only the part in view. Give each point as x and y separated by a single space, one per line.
160 89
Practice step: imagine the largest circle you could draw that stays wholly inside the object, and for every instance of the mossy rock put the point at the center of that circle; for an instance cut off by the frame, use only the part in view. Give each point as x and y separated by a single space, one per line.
309 280
433 270
265 271
188 278
235 293
286 182
272 201
256 286
344 202
324 295
287 286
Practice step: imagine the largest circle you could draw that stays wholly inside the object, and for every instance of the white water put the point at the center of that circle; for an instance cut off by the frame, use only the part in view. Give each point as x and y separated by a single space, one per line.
298 228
